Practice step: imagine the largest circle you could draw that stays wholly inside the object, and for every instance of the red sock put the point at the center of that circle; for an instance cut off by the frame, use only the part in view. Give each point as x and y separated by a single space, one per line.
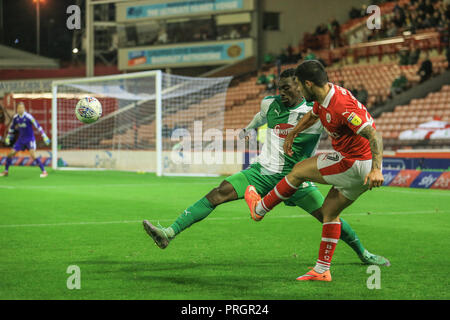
331 232
282 191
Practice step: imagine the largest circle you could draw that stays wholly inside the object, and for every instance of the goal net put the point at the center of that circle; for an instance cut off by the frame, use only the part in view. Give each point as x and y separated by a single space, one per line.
152 121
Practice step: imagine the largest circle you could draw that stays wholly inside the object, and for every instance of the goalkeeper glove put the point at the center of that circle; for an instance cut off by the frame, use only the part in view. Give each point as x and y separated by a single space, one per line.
46 139
7 141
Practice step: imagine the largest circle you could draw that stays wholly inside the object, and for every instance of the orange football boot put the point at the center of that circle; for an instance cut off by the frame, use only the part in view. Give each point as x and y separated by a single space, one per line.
313 275
252 198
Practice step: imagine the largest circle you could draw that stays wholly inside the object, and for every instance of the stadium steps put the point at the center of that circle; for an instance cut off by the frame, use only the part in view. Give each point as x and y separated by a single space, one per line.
436 105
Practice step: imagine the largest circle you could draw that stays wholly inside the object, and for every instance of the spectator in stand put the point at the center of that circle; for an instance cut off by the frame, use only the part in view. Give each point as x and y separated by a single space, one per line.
245 31
399 19
310 55
404 56
426 69
354 13
321 29
398 8
428 21
356 37
414 54
362 95
262 79
162 36
379 101
435 20
234 33
271 87
428 7
268 58
335 33
282 57
270 77
399 84
447 11
290 54
353 90
392 30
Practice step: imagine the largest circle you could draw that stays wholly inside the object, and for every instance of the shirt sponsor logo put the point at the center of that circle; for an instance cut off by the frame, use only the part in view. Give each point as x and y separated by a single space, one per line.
354 119
328 116
282 129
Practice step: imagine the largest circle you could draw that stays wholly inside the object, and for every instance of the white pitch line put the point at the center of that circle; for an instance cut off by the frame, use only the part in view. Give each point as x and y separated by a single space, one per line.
212 219
418 192
97 185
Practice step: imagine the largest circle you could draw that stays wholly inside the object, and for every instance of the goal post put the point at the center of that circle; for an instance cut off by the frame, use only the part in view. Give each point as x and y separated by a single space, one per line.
142 113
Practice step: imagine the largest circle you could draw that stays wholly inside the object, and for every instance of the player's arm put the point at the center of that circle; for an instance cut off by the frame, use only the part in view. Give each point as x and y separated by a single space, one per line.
375 176
11 132
258 120
39 128
307 121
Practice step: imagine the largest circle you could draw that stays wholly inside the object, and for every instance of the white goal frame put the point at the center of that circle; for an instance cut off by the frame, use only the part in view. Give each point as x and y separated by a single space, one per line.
158 112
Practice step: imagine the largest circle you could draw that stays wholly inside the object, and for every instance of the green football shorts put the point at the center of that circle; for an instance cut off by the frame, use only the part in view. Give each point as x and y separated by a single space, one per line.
307 197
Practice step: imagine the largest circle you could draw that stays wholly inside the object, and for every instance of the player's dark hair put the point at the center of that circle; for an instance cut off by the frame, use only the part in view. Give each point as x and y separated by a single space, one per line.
288 73
313 71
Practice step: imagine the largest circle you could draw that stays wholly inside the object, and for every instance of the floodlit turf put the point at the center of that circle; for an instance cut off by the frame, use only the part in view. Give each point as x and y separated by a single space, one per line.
93 220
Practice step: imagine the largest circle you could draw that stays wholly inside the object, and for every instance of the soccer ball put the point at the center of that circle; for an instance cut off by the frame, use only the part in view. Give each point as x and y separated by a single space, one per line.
88 110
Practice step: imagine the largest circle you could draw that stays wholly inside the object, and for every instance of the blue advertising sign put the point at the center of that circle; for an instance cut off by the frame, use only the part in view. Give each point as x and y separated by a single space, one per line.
414 163
187 54
389 175
181 8
426 179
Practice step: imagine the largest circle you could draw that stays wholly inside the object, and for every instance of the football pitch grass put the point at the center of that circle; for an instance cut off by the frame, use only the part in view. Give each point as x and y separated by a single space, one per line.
92 219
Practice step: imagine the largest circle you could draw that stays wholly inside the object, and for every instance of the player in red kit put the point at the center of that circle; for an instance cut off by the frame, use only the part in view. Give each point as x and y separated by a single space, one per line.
353 167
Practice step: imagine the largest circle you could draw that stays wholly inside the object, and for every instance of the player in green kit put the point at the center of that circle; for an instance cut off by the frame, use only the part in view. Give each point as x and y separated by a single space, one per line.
281 113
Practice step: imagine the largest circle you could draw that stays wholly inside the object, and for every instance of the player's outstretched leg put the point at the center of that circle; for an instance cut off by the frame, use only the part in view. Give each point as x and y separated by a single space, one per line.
194 213
44 173
302 171
333 205
158 234
252 198
8 163
312 202
349 236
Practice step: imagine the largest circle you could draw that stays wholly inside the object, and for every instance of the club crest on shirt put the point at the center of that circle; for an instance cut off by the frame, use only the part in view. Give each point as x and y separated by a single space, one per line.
354 119
328 116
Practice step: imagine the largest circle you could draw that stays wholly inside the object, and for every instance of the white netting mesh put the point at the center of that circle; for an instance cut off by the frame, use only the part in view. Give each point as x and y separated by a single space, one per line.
125 137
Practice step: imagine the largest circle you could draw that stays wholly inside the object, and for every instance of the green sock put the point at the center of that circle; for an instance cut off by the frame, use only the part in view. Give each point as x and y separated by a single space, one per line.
348 235
198 211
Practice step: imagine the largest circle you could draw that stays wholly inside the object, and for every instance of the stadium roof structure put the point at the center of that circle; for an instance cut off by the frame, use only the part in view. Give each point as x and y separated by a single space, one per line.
11 58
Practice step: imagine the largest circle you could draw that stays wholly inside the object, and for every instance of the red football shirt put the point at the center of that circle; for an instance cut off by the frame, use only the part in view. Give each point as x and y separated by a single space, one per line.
343 117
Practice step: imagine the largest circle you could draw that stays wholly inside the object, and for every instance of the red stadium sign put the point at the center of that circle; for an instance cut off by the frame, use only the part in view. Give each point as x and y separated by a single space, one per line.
404 178
443 182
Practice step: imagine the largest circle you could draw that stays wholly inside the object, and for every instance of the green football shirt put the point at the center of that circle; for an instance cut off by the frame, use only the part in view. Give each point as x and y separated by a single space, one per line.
280 121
